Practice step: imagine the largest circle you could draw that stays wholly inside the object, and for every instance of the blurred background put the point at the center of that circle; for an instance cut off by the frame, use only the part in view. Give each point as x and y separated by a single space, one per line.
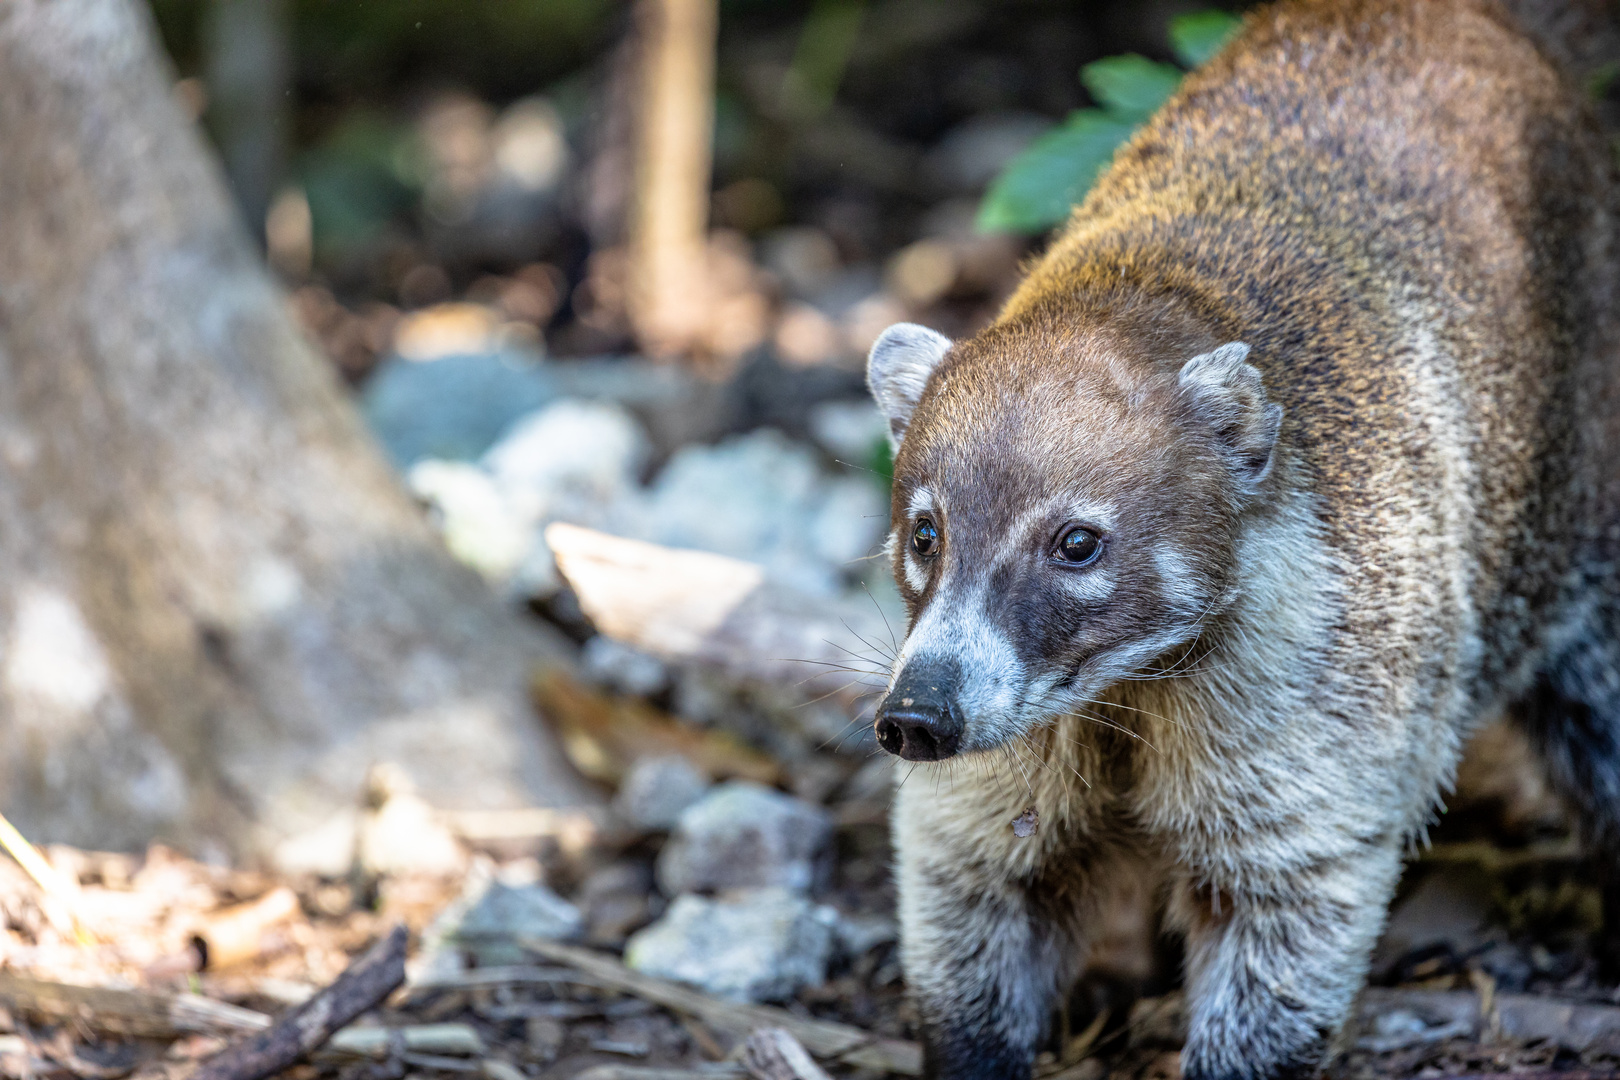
620 265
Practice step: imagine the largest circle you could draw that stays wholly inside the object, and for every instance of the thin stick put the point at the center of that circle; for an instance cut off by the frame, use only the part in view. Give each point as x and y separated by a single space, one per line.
364 984
50 881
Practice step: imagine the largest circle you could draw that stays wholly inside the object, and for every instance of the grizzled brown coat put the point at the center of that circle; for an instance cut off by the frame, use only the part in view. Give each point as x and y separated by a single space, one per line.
1231 659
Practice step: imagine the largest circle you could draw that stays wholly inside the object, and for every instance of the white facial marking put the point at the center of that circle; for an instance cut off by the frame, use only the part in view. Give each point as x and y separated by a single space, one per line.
992 676
1177 581
1092 512
922 502
1092 586
916 576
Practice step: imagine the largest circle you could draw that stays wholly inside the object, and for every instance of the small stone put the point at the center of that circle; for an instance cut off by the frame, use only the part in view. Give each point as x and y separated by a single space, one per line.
478 524
744 835
764 498
859 934
452 408
491 916
620 667
657 790
760 945
571 451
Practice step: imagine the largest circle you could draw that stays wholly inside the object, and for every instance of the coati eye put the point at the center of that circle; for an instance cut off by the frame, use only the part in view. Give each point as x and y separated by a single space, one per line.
1079 546
925 539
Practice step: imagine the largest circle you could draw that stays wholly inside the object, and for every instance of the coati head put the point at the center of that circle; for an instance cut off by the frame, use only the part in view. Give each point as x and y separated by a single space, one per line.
1066 506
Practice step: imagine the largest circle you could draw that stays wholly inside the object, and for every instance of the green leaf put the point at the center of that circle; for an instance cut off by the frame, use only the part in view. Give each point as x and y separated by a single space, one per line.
1038 188
1199 35
1130 85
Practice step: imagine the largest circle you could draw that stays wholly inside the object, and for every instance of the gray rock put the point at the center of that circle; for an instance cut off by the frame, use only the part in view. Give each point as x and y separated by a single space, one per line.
621 667
452 408
657 790
764 498
857 935
761 945
570 452
851 431
571 461
743 835
492 915
478 523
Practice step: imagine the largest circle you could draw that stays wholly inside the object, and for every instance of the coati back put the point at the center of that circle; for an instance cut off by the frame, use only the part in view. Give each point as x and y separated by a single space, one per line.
1293 457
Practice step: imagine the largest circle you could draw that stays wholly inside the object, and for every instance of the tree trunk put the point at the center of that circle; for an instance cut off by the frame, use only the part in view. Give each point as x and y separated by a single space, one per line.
217 607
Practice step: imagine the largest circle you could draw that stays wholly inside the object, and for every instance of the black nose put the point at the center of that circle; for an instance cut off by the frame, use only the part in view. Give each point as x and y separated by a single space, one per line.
917 720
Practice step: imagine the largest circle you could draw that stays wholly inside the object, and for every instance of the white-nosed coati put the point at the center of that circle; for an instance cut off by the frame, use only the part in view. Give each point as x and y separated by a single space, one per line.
1294 455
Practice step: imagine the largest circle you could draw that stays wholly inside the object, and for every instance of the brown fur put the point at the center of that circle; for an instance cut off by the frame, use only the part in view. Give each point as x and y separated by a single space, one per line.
1406 213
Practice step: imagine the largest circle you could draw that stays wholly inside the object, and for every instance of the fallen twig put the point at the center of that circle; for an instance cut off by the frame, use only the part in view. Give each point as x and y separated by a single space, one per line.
172 1016
774 1054
127 1012
453 1040
363 985
513 975
823 1038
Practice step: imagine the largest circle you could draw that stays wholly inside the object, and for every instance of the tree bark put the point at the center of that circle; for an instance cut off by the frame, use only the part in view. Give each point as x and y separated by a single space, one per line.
217 606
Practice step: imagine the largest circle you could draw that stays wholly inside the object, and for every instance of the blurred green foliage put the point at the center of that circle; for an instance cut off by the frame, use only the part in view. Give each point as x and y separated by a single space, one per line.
1130 87
1039 187
823 52
1199 35
367 170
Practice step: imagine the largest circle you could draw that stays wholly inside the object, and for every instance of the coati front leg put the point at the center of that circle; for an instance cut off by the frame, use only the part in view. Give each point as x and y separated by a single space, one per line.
1272 972
986 953
982 964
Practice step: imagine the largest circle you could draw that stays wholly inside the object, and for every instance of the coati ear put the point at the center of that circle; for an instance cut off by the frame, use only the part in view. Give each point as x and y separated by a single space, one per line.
1227 392
897 370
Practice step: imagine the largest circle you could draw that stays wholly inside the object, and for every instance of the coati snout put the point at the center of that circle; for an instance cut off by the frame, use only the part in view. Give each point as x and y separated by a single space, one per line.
1054 533
918 719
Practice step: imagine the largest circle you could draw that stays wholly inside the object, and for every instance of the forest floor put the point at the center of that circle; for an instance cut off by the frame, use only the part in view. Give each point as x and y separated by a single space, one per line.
1487 968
